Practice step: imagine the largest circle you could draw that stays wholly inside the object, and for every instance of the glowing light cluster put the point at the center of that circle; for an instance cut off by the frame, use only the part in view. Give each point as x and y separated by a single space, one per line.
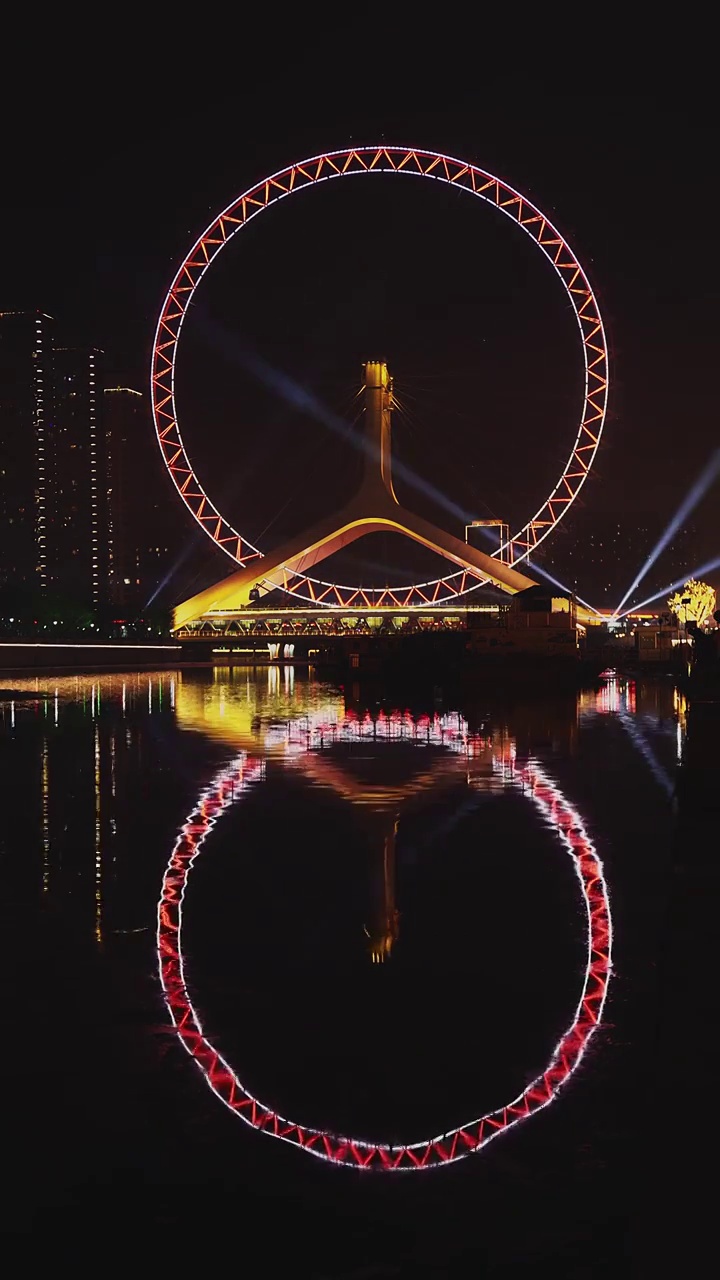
450 731
705 480
229 785
41 355
619 700
317 730
695 601
709 567
369 160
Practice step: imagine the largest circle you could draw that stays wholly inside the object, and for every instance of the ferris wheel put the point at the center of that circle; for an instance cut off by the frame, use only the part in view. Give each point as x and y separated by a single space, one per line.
356 161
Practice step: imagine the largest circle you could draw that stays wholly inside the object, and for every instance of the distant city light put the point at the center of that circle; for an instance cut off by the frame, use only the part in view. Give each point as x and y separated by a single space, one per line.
672 586
706 478
54 644
535 568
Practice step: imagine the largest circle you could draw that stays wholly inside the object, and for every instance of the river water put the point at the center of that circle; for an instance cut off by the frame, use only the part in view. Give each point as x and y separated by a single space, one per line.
444 942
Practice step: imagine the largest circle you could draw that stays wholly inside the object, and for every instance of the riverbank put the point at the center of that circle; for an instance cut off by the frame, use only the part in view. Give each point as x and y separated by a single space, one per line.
21 656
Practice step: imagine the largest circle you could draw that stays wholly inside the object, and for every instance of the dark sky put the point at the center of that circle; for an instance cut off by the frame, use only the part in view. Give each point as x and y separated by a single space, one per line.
129 166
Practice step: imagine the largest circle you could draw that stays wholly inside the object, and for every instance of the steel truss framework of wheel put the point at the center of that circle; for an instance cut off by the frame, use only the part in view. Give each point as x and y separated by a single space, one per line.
229 786
368 160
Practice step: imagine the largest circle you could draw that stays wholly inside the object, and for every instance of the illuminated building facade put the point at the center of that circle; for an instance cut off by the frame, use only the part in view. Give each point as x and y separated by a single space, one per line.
138 517
152 564
82 546
79 541
122 413
26 394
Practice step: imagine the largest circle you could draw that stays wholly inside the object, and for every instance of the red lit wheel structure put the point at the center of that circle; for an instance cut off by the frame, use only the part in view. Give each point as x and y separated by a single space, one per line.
369 160
228 787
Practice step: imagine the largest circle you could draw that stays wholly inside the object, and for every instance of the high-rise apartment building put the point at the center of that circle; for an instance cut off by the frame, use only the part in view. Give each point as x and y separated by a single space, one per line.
26 407
123 416
79 547
142 516
53 537
85 513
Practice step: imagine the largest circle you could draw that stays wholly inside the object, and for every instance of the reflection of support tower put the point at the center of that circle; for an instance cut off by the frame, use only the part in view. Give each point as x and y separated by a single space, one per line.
375 508
386 925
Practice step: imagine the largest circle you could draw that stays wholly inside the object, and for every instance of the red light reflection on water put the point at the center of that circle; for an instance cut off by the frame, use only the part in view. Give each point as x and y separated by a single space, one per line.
227 788
615 694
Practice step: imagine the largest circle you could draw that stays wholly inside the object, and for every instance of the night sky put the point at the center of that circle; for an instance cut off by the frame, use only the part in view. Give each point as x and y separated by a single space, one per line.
117 151
472 321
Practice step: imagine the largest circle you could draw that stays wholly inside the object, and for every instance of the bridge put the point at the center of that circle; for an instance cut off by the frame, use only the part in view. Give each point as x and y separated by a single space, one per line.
233 611
359 637
375 507
233 625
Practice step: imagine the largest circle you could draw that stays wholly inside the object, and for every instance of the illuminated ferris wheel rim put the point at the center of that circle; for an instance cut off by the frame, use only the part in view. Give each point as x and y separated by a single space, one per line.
311 172
229 785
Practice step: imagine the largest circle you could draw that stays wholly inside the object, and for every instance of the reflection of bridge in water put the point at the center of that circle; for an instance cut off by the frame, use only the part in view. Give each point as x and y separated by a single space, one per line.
298 718
375 508
319 742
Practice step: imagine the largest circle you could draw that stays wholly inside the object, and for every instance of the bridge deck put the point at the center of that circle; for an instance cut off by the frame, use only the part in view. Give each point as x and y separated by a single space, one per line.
334 622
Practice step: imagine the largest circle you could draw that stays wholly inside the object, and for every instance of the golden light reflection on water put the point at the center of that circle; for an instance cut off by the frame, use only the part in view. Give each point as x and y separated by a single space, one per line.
326 735
253 709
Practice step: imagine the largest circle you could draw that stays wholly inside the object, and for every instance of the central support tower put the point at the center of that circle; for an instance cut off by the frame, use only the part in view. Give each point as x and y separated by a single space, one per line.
374 508
378 430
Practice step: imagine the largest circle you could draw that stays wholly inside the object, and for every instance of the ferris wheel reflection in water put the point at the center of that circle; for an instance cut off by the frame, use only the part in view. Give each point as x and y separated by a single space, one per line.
308 739
250 713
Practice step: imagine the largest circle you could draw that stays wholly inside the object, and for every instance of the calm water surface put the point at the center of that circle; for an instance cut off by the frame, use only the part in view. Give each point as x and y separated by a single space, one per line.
384 935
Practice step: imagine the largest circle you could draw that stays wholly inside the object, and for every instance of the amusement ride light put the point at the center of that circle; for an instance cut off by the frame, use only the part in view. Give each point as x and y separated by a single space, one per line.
354 161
